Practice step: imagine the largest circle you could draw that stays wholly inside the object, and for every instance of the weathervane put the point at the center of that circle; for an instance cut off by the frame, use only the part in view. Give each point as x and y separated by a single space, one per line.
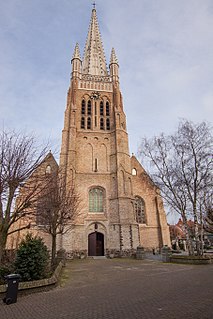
94 4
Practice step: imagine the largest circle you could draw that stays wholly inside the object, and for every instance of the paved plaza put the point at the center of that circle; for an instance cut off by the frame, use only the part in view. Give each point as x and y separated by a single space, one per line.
121 288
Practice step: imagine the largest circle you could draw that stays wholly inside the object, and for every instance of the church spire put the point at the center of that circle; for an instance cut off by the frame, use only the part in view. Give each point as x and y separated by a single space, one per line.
113 59
76 54
94 62
76 62
114 66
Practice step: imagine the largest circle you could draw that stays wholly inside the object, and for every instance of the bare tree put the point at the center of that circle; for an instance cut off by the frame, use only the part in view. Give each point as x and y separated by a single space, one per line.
19 158
208 215
182 169
57 208
208 221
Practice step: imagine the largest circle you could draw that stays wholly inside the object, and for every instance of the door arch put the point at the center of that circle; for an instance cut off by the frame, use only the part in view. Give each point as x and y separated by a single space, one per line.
96 244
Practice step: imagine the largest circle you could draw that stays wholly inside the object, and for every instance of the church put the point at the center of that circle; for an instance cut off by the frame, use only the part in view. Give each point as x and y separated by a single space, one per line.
121 208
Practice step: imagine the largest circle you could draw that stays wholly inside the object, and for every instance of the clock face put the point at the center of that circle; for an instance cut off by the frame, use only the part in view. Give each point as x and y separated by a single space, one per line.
95 95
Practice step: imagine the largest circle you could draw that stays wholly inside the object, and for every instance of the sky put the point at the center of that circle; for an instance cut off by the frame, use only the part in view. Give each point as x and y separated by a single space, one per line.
164 48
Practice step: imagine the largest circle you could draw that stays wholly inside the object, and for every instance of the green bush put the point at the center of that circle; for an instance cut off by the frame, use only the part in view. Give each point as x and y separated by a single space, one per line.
32 259
4 270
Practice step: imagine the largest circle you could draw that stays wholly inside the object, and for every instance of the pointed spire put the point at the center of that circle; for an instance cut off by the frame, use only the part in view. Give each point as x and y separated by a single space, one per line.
76 54
76 62
114 66
94 61
113 59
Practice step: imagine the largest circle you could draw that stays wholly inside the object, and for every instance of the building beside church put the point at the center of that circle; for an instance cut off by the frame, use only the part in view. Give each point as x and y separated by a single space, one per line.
121 208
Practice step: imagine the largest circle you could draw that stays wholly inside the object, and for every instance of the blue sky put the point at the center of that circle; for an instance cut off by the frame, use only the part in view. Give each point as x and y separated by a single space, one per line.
164 48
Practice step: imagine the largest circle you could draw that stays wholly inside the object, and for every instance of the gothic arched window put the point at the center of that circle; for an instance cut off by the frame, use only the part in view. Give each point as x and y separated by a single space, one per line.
107 109
96 199
82 122
102 124
48 169
83 107
101 108
140 210
89 108
89 123
108 124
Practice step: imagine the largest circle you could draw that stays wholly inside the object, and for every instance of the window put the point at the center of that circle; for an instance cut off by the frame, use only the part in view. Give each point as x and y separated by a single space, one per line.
140 210
102 124
89 123
42 214
83 107
101 108
89 108
107 109
48 169
96 200
108 124
134 172
96 164
82 122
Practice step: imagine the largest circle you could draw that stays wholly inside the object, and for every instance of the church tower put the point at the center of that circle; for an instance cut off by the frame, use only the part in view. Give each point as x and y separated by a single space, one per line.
95 157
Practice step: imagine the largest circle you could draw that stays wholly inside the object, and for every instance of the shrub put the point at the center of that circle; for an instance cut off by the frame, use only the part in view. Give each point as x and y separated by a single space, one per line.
4 270
32 258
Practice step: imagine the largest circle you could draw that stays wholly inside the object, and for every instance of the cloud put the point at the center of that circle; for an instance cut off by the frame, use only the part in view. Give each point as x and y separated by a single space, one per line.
164 49
207 104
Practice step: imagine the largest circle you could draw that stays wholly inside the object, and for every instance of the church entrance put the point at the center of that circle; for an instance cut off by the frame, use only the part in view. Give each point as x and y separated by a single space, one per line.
96 244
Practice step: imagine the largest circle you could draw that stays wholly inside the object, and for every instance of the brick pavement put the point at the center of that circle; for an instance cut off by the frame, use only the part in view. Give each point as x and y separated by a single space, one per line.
126 289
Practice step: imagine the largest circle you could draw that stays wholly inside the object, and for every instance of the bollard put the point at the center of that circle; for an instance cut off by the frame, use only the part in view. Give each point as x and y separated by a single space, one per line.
140 252
166 254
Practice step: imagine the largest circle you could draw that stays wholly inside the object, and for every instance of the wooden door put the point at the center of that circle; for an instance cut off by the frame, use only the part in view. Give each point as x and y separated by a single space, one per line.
96 244
92 244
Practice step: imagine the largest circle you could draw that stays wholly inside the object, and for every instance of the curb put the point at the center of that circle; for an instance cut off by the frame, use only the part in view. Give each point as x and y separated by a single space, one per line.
38 285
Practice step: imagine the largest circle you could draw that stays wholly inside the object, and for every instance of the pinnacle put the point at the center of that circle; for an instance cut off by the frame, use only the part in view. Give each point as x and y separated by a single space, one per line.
113 58
76 54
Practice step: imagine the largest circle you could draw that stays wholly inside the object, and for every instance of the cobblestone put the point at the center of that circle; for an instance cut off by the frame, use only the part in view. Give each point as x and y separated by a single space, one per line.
121 288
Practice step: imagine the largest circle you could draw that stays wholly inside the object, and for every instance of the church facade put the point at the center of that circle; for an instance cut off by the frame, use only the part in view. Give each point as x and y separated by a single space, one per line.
121 208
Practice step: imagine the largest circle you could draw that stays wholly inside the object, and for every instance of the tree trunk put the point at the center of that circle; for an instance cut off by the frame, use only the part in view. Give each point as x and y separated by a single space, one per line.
201 234
189 244
197 239
53 258
3 241
188 239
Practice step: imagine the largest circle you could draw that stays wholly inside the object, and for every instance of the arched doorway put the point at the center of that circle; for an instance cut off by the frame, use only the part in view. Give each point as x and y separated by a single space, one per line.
96 244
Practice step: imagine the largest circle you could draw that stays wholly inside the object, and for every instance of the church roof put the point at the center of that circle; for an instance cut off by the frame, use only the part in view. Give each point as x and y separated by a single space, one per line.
94 62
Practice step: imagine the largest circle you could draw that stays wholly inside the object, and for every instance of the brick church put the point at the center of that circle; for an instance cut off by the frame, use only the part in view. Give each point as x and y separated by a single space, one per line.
120 207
